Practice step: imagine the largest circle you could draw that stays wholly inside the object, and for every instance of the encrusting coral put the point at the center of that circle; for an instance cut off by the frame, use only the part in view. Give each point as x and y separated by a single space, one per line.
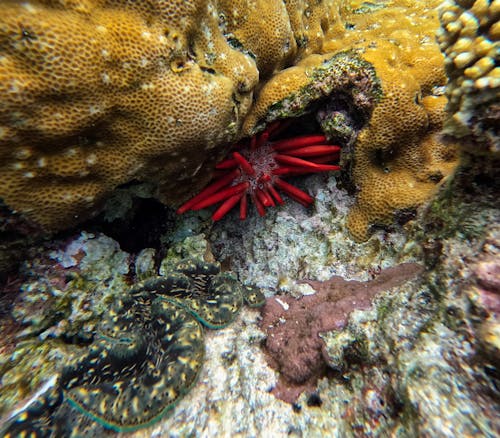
147 354
470 40
294 326
142 91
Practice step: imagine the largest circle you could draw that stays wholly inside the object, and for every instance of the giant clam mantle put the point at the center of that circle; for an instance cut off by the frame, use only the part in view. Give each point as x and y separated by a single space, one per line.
146 355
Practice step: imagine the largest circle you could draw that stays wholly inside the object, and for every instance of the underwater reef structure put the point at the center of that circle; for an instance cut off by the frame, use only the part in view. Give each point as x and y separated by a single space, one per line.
147 353
469 38
104 336
143 91
400 157
159 94
332 94
294 326
483 291
334 90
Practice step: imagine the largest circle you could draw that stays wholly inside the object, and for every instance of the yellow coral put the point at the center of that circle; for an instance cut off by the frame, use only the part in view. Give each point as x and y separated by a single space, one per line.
470 39
96 94
400 156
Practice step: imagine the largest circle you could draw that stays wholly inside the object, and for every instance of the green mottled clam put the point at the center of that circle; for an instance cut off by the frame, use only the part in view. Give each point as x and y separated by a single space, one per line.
148 352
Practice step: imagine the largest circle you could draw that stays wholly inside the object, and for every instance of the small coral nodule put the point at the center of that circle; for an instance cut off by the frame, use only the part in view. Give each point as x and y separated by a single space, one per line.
256 168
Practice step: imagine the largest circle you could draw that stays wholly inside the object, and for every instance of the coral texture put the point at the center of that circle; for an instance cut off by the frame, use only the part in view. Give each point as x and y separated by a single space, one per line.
148 352
399 157
470 40
330 94
294 326
339 89
383 98
483 291
149 91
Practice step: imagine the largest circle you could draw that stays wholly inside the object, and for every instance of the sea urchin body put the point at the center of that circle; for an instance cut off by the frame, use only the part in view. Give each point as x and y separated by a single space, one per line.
256 170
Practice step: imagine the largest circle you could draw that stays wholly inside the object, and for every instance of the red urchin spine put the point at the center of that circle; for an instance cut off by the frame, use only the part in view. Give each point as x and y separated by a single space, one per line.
255 170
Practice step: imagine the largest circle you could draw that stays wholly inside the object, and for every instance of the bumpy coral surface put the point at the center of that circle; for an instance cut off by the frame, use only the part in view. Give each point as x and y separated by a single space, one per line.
383 99
400 157
147 354
99 94
470 40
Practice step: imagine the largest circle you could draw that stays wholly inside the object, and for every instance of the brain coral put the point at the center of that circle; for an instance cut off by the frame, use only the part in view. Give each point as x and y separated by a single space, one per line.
470 40
97 94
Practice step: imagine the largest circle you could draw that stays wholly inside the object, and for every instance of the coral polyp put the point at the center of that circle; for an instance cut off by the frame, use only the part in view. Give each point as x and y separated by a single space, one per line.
255 169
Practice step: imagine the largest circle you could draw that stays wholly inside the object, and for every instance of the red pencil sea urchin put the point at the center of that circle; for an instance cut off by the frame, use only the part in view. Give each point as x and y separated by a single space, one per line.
255 169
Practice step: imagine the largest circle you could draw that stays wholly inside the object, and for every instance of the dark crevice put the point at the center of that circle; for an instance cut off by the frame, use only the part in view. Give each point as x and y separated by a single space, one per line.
142 226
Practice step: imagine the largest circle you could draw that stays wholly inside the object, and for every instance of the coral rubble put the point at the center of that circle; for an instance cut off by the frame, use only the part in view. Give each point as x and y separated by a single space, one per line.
421 358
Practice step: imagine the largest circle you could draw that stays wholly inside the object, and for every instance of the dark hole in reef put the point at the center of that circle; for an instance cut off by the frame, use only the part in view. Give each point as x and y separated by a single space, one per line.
191 50
432 249
80 338
401 217
382 159
405 215
484 180
28 35
207 70
314 400
494 373
436 177
140 227
337 112
303 125
397 405
324 25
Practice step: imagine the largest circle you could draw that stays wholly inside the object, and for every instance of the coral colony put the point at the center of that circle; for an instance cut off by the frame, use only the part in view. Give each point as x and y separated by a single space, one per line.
256 170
